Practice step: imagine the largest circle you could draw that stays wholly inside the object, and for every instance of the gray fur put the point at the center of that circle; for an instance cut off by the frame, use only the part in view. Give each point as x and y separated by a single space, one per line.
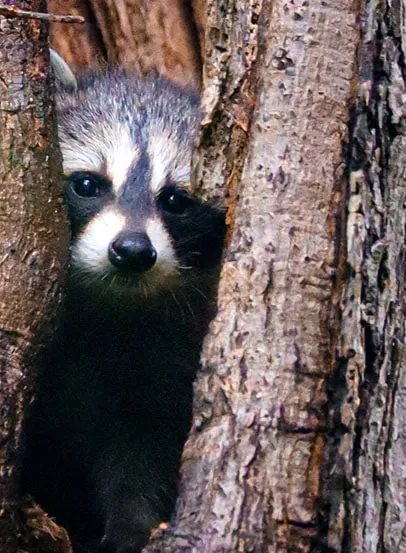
90 119
62 72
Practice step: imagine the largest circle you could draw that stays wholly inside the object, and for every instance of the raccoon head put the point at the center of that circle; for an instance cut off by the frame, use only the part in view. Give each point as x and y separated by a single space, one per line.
126 145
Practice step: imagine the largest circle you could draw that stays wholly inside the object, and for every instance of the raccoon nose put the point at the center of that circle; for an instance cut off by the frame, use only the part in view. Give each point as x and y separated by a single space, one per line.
132 251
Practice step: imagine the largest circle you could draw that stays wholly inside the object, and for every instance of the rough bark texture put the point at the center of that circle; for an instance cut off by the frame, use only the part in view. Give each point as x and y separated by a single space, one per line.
298 441
251 471
364 481
141 35
33 240
303 326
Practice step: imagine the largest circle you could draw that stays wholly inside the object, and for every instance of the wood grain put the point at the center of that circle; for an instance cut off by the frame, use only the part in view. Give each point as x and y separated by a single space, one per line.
278 84
139 35
34 241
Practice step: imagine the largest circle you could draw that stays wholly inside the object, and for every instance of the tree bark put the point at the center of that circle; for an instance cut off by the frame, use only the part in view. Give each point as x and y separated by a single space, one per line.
33 246
251 468
140 35
364 487
298 442
298 439
79 45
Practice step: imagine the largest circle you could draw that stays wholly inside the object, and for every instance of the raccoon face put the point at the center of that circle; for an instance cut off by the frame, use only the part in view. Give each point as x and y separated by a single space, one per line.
126 148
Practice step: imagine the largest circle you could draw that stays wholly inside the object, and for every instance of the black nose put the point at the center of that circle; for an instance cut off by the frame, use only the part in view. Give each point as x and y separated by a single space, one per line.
132 251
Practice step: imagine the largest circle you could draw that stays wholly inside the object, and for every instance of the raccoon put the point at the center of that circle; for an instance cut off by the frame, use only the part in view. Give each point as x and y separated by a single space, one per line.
114 399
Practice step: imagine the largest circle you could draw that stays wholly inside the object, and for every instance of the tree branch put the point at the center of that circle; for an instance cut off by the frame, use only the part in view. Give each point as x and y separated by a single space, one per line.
12 11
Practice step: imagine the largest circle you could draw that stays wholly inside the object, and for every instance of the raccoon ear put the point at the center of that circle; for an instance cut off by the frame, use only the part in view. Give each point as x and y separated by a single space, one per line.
63 74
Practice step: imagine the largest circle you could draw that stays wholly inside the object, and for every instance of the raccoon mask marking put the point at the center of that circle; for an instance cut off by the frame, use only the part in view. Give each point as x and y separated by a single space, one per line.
126 148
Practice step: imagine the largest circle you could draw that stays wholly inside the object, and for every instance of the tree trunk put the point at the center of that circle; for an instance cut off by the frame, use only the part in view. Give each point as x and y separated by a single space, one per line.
364 486
33 247
140 35
261 406
298 440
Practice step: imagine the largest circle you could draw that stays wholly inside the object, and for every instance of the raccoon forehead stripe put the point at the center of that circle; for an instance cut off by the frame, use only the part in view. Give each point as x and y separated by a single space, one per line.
120 154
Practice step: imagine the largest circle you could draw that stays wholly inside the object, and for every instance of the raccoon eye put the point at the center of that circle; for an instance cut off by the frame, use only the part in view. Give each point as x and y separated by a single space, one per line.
175 200
88 185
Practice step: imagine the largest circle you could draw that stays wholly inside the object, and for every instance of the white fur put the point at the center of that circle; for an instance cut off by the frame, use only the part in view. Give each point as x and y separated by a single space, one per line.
165 159
120 154
109 153
113 153
166 262
91 263
62 71
75 158
89 253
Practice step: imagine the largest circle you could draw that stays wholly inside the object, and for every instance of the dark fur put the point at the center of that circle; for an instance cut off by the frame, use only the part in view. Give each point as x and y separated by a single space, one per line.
114 402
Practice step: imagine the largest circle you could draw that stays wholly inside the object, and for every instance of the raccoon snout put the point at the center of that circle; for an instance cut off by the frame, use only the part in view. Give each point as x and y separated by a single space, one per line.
132 251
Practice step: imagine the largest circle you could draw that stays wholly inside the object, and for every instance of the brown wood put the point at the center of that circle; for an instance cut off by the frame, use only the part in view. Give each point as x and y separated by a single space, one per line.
199 18
298 442
364 486
80 46
279 82
33 241
139 35
13 12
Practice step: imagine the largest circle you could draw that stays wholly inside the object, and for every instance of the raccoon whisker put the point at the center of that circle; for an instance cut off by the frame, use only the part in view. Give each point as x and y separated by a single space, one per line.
184 268
199 291
177 303
104 275
86 276
146 290
186 241
113 281
189 306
